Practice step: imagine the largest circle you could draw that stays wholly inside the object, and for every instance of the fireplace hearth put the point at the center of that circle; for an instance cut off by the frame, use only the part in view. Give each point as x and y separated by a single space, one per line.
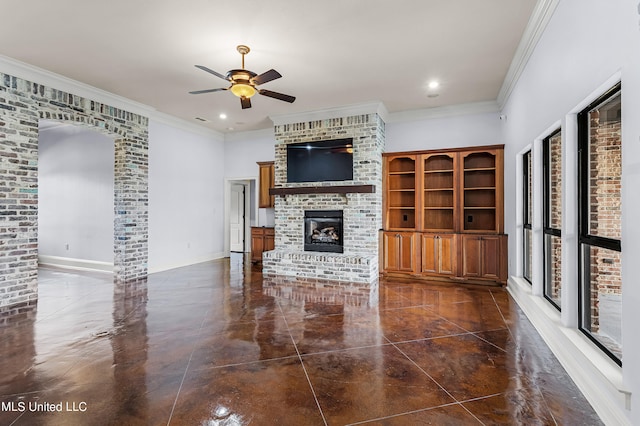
323 231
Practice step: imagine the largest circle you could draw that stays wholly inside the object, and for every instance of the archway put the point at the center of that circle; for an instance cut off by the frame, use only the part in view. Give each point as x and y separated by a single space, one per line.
22 105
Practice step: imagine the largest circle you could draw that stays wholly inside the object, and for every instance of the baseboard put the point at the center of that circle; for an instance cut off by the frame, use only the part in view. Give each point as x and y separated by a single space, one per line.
186 262
77 264
597 377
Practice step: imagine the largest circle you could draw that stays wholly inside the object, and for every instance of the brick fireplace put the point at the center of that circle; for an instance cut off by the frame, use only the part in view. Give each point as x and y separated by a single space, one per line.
361 209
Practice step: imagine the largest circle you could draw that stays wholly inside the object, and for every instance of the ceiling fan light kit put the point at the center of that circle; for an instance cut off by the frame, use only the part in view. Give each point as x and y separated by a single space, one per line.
244 82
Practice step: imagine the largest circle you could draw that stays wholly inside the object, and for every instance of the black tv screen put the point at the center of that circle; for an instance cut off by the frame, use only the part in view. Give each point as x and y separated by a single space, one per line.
321 161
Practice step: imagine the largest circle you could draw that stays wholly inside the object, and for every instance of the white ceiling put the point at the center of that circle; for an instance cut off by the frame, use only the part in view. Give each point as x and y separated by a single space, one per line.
331 53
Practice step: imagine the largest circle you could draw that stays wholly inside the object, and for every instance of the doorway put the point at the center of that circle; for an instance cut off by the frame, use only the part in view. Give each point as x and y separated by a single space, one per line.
75 200
240 213
236 218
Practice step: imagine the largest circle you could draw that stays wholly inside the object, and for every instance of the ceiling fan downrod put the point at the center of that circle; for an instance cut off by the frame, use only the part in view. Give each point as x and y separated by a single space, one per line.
243 50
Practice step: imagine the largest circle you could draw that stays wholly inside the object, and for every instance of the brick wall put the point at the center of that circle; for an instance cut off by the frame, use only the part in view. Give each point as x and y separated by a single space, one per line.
555 218
605 207
362 213
22 105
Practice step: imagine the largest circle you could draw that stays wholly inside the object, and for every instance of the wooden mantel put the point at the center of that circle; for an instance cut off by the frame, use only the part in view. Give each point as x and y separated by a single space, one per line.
341 189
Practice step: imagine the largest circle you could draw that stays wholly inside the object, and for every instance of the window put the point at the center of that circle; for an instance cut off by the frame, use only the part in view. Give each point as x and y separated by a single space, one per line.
600 233
528 216
552 216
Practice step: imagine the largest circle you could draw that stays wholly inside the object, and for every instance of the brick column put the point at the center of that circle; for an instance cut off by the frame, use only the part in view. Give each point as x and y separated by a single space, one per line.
18 203
131 201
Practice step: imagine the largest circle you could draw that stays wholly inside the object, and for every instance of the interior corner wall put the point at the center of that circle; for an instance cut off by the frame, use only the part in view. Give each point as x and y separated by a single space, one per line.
586 44
22 105
186 192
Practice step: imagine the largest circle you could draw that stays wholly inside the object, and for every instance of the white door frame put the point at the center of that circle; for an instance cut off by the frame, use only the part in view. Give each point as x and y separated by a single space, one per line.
247 211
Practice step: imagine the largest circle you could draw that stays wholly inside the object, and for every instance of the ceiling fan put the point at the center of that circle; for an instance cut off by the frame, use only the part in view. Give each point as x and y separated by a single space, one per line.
244 82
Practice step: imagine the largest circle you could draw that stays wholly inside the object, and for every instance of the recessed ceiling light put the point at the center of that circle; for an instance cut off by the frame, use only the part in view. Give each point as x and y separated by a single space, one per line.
434 85
223 116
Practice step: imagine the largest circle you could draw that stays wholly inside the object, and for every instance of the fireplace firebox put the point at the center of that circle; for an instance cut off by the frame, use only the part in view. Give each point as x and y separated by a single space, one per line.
323 231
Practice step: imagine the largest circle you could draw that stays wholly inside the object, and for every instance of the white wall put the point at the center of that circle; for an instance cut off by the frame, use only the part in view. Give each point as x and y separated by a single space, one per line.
186 180
242 152
454 131
75 194
586 44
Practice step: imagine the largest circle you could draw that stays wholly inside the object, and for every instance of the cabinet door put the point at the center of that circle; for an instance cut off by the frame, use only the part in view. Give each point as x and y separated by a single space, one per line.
266 177
491 253
438 254
471 256
269 239
399 251
482 256
257 244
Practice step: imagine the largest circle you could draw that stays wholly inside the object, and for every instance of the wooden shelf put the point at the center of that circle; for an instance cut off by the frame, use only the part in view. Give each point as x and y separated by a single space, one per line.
481 169
438 171
339 189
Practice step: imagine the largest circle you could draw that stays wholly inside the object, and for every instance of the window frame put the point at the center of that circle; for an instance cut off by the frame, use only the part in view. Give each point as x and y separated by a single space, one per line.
547 230
586 240
527 212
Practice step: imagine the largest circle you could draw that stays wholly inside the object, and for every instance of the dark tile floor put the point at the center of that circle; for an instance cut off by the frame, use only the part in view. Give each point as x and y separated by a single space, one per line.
216 344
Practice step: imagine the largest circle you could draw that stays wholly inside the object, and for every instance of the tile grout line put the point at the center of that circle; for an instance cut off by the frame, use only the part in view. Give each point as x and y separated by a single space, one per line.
403 414
474 333
513 338
304 369
435 381
186 370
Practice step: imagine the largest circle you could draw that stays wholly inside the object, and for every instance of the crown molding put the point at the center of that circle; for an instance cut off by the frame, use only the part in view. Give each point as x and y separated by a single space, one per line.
329 113
50 79
542 13
444 111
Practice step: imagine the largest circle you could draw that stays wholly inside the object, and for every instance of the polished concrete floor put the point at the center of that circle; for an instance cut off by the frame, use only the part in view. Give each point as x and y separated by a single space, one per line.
216 344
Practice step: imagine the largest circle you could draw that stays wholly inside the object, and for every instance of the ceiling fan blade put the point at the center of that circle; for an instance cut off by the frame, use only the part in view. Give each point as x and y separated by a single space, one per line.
210 71
266 77
276 95
245 102
197 92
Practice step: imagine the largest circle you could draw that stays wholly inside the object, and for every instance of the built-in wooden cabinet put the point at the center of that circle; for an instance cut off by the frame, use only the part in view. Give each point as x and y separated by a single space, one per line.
441 196
266 177
262 239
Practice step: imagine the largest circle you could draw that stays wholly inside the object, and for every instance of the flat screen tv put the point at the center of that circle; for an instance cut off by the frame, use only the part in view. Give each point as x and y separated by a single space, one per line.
321 161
